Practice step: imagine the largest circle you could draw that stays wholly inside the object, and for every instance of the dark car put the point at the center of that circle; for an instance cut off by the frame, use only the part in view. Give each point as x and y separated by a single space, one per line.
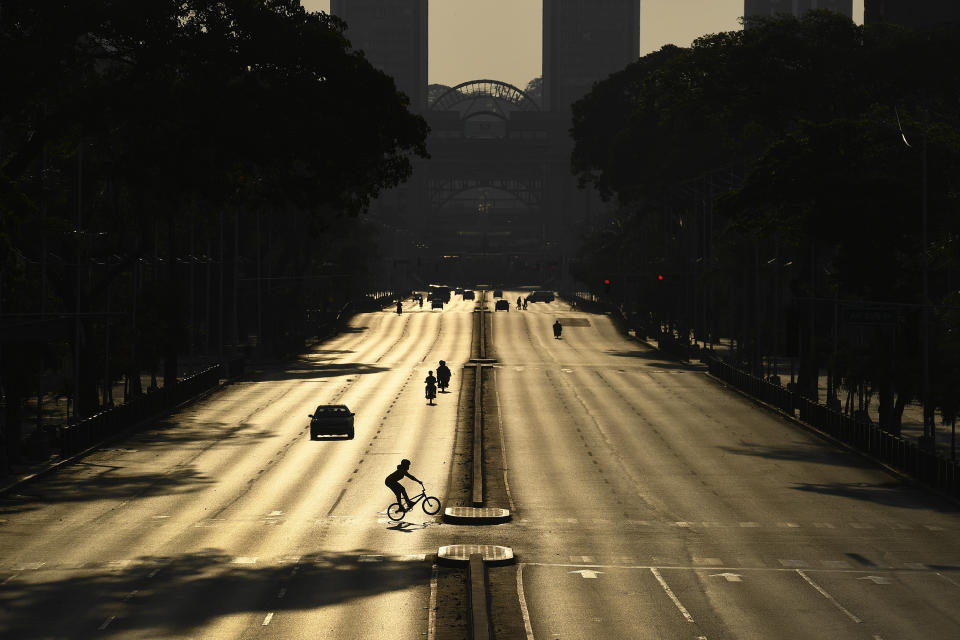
469 295
540 296
331 420
502 304
436 303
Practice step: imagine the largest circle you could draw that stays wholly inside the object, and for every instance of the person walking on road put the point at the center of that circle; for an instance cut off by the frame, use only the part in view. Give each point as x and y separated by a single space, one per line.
557 329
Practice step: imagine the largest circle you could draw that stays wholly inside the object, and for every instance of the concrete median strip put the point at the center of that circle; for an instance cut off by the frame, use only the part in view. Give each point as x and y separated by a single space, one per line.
490 554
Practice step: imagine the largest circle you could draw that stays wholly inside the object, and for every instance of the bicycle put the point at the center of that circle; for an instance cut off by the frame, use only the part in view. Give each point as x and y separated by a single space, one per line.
430 506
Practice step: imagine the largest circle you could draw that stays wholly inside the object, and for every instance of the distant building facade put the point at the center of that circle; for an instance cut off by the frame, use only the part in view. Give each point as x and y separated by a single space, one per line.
916 14
585 41
393 36
765 8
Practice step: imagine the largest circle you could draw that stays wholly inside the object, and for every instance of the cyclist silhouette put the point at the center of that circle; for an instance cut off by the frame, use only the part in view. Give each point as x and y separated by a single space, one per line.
393 482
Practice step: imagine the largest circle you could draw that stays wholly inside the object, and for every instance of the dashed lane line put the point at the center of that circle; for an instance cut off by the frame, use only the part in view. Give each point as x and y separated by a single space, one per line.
829 597
673 597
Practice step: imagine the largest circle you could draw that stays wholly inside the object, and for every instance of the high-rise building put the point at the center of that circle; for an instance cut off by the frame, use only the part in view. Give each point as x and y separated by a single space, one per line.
758 8
585 41
916 14
393 36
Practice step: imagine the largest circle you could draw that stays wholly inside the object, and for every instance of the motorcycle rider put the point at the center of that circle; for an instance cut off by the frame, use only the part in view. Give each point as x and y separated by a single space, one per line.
519 304
431 383
399 307
443 376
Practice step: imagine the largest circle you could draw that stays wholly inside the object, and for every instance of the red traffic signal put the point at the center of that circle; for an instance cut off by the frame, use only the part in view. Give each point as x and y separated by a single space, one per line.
659 276
606 281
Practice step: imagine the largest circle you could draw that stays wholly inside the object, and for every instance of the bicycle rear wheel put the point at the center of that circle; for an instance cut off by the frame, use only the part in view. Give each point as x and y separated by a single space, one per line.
431 505
395 512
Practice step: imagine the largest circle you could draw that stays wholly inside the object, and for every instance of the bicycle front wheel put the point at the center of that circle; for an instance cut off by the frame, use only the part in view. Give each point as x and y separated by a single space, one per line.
395 512
431 505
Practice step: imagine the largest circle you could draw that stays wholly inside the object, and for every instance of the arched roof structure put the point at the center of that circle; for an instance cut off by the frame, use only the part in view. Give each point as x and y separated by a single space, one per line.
478 95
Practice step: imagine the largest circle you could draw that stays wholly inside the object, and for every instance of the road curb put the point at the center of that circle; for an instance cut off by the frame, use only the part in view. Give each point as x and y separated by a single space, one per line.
475 515
120 435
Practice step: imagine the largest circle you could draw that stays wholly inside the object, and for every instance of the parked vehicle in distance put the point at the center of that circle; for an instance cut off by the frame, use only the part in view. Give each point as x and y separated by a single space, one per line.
540 296
436 303
458 291
331 420
497 293
502 305
469 295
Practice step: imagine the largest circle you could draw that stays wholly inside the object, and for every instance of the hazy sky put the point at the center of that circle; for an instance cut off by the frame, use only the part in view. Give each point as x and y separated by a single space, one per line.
500 39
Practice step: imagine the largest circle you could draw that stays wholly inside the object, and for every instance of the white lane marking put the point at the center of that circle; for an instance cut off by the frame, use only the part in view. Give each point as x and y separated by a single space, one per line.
730 577
10 577
587 573
823 525
131 594
244 560
31 566
370 558
933 527
829 597
267 620
683 524
106 623
876 579
749 524
154 572
281 593
274 514
669 592
523 603
432 610
793 563
160 517
956 584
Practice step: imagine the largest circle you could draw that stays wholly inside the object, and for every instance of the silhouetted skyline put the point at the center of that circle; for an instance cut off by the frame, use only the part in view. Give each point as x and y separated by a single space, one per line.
501 39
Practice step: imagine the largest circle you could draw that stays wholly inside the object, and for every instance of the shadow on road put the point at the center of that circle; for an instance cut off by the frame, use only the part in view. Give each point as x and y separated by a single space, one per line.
305 370
892 494
800 452
178 596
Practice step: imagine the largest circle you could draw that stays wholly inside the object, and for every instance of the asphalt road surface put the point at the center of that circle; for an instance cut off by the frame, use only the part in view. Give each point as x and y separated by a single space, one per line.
229 522
648 502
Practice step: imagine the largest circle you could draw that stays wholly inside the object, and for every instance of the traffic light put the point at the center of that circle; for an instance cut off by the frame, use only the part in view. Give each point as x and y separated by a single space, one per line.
606 285
660 277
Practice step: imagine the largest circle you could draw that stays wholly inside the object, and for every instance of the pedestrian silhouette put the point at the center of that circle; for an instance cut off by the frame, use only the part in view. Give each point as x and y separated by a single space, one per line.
557 329
431 382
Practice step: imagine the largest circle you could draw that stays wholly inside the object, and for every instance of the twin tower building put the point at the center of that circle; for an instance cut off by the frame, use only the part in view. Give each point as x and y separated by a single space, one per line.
496 201
583 41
